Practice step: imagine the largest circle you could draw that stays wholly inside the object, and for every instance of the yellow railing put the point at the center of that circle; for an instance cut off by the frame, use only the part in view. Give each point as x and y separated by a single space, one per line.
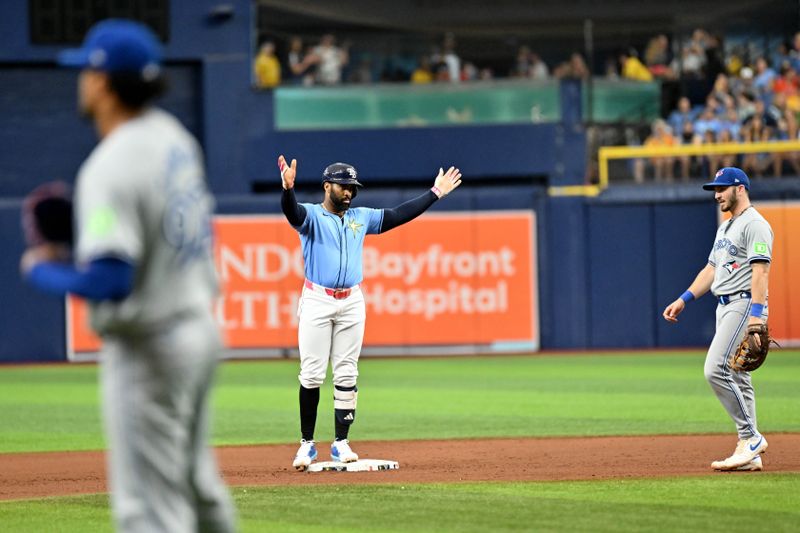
606 153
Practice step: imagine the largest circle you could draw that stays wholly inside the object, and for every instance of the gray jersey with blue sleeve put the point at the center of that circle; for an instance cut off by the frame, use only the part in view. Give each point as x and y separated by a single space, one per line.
154 212
740 241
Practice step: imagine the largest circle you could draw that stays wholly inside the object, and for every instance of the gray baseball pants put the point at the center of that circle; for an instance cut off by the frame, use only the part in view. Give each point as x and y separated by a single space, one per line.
155 394
733 389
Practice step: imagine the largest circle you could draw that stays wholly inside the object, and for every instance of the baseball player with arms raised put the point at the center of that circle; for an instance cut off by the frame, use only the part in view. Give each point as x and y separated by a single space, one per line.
331 308
144 261
737 273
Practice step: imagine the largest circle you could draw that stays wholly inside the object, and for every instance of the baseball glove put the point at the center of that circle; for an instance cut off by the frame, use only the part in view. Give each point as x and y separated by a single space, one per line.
753 349
47 215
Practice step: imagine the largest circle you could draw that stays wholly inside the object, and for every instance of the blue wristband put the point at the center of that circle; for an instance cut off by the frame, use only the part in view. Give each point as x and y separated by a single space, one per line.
687 297
757 310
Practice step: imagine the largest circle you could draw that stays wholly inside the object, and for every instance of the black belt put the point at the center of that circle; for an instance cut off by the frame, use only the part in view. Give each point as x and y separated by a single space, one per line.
725 299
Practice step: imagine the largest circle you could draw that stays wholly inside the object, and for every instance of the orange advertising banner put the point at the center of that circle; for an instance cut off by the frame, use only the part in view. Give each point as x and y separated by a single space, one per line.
444 279
784 291
784 294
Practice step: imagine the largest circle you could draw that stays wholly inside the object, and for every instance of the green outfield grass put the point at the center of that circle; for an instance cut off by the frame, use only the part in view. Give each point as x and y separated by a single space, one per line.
725 503
56 407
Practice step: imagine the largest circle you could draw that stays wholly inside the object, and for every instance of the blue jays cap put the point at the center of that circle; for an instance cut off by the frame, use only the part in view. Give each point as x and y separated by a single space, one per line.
117 45
725 177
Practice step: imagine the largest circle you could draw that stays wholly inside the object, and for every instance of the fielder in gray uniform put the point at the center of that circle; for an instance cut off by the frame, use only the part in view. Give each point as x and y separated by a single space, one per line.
332 310
143 257
737 274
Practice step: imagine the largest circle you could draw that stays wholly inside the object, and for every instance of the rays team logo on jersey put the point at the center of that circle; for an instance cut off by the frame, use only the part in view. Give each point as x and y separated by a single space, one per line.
355 226
730 266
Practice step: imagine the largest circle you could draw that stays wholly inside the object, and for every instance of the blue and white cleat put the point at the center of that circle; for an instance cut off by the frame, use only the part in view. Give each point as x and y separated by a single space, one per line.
341 452
305 455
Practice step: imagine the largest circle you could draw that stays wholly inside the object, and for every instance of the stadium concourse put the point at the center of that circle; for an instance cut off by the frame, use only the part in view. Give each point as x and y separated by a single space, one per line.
35 475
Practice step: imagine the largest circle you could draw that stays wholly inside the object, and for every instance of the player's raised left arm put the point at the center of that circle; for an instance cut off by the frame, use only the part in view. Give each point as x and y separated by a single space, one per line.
445 183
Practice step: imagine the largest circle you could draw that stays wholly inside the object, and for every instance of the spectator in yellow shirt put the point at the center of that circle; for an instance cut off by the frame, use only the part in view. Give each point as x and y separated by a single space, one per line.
632 68
267 69
423 73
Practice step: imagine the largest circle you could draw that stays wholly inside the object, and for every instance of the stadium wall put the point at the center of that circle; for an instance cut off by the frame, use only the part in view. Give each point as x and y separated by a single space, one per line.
606 270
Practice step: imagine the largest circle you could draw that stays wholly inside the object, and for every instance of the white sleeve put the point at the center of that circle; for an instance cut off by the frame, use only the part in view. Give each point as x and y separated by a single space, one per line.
107 218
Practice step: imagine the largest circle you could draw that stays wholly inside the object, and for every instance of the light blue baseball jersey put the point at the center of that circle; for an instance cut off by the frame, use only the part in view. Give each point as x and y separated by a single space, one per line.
333 246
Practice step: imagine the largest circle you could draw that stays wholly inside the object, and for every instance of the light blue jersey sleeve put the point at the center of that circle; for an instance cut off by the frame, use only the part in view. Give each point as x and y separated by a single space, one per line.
373 218
311 213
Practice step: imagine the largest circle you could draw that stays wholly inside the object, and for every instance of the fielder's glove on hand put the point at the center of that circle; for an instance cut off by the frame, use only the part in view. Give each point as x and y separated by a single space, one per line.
47 215
753 349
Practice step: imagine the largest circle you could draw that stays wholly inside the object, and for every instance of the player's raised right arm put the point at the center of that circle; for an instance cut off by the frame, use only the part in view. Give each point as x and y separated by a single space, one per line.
295 213
288 172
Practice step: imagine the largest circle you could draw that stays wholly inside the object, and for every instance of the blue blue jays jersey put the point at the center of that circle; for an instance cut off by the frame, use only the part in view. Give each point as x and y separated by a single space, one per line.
333 246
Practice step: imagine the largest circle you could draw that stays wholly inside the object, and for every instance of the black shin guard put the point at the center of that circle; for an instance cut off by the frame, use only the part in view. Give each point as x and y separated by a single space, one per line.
309 400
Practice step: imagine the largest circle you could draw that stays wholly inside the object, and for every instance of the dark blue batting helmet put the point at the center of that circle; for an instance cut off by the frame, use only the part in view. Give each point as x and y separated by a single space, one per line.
341 173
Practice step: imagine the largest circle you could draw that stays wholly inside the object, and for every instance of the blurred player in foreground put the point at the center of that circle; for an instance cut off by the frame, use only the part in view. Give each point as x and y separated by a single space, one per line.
737 273
143 259
332 311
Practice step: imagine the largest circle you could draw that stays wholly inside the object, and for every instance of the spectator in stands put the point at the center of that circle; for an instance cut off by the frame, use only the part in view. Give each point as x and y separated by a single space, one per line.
755 130
743 83
657 57
575 68
764 78
661 136
522 67
782 54
686 136
451 59
331 60
745 106
715 63
363 71
267 68
760 110
721 90
691 63
786 129
441 72
681 115
486 74
707 127
789 85
423 73
469 72
301 64
730 124
632 68
530 65
794 53
707 122
538 68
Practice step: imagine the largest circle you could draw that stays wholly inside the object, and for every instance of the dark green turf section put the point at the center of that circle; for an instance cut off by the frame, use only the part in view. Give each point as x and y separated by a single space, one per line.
716 503
56 407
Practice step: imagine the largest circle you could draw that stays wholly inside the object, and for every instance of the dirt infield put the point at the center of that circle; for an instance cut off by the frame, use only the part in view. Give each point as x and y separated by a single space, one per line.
35 475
